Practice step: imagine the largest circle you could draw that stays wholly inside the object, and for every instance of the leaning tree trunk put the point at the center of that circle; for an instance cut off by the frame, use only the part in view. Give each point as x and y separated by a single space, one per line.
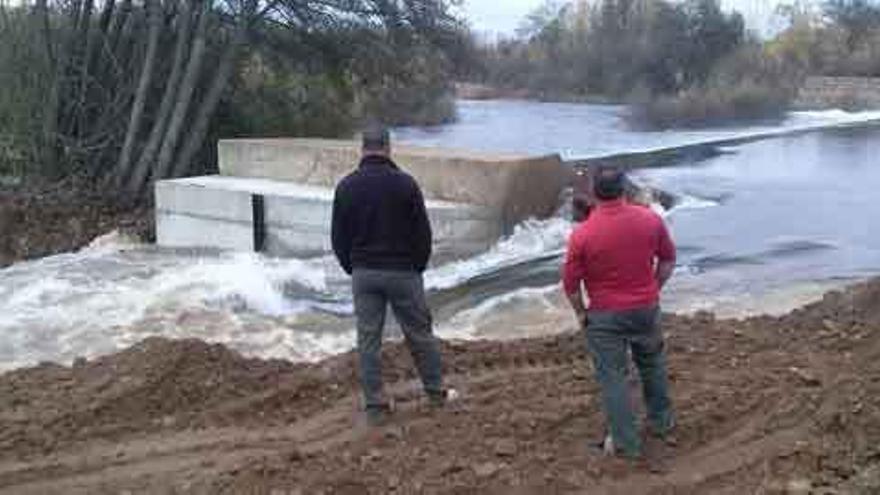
184 99
199 127
76 122
154 15
50 109
116 24
148 155
88 39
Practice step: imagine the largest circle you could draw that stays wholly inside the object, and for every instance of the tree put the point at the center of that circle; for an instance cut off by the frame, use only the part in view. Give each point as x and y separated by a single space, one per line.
857 17
713 35
133 87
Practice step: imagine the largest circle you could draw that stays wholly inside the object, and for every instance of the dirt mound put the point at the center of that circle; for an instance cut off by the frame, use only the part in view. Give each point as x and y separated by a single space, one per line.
764 405
157 384
63 218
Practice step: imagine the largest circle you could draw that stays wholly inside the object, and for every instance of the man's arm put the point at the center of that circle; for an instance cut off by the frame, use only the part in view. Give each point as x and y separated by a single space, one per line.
573 273
422 237
339 231
665 256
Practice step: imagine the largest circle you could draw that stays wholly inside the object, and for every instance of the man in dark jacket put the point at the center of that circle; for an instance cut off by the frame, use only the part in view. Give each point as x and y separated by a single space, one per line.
382 238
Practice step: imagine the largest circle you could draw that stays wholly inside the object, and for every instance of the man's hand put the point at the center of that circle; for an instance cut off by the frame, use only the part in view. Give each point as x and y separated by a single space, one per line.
577 304
664 272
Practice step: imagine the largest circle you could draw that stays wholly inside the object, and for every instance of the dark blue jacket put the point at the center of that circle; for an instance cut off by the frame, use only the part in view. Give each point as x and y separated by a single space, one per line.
379 219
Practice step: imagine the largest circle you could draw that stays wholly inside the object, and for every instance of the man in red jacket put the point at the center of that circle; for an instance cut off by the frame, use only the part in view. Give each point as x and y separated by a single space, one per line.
621 257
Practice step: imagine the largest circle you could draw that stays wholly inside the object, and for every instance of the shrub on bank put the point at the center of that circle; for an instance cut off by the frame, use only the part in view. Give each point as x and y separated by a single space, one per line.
712 106
750 84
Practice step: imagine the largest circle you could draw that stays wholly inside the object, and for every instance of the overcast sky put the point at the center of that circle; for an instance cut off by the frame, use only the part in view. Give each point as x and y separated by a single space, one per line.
503 16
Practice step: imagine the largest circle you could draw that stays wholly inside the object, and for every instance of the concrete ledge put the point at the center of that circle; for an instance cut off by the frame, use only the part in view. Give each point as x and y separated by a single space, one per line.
217 211
515 186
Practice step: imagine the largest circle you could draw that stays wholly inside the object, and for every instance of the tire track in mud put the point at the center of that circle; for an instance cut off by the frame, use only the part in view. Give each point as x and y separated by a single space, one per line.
168 454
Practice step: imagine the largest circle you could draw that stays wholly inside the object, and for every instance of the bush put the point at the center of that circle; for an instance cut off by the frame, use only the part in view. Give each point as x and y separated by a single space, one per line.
749 85
270 100
700 107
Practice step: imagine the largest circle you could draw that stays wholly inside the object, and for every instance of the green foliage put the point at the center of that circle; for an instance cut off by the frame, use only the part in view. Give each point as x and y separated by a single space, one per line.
25 79
856 17
843 41
128 90
415 87
272 101
615 48
713 105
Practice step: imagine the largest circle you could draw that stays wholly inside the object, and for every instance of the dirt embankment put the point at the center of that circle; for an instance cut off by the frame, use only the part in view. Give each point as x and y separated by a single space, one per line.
40 220
765 405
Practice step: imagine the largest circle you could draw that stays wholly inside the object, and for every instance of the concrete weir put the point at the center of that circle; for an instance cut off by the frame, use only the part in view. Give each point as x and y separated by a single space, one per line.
275 196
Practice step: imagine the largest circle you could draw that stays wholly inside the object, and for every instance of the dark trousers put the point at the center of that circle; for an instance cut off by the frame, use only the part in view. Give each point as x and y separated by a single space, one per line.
610 335
373 291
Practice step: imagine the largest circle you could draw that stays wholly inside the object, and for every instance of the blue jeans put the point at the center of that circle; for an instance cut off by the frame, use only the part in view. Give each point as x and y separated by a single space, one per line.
609 335
373 291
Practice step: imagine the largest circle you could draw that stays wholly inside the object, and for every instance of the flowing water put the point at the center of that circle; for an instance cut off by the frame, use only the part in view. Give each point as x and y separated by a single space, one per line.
762 226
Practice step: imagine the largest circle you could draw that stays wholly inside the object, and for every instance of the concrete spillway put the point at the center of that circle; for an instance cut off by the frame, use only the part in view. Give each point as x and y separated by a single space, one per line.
224 212
515 187
275 196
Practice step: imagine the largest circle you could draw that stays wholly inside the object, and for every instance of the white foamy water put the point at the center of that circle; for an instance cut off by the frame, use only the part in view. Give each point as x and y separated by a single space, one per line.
511 315
533 239
105 297
115 293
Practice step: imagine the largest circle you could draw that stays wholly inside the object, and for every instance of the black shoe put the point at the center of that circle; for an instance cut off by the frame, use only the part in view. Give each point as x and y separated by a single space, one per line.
378 415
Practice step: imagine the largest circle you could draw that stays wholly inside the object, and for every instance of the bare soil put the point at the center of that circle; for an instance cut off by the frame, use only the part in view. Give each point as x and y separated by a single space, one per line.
39 220
765 405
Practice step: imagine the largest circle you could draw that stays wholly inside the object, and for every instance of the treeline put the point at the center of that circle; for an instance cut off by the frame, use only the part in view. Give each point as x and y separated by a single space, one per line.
841 39
125 92
678 62
614 48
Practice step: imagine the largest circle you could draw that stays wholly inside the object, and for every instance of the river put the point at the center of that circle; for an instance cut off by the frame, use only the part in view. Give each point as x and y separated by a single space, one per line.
762 226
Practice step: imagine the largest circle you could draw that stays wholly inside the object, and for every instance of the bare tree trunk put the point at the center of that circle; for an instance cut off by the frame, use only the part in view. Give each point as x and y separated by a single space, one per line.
50 109
106 15
199 127
74 123
148 155
116 24
123 45
87 39
154 15
184 99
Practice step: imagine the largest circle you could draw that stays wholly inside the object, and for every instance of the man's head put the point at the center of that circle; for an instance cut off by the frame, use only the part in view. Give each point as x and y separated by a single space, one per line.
609 183
376 141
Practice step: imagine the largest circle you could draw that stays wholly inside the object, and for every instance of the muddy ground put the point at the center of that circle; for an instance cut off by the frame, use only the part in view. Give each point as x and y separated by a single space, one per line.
39 220
765 405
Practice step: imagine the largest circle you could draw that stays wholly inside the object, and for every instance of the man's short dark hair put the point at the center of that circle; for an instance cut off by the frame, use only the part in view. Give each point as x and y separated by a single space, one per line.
609 183
376 138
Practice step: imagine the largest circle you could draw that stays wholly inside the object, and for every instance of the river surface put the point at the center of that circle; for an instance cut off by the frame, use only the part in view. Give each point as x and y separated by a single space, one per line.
761 226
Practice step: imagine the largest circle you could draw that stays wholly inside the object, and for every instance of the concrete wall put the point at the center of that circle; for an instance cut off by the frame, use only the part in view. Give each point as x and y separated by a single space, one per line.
216 211
852 93
515 186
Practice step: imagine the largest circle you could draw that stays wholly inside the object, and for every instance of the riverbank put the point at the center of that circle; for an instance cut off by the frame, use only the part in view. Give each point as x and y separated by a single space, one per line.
42 220
770 405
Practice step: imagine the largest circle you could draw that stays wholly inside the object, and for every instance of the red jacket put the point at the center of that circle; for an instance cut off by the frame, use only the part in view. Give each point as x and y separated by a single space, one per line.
614 252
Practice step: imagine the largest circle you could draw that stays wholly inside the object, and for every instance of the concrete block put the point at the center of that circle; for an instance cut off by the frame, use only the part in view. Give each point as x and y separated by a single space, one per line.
217 211
515 186
183 230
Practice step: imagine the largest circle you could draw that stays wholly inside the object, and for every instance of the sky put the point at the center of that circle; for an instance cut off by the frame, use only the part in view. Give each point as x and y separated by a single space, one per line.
493 17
